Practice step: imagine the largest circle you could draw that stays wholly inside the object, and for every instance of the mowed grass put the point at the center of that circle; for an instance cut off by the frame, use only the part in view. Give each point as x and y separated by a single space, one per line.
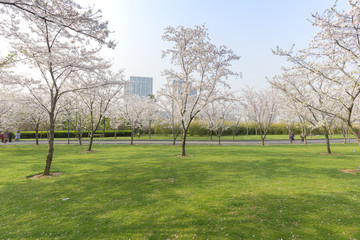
148 192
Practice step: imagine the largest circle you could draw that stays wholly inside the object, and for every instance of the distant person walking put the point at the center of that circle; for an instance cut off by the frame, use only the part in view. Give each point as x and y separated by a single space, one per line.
2 137
291 137
17 136
10 135
6 137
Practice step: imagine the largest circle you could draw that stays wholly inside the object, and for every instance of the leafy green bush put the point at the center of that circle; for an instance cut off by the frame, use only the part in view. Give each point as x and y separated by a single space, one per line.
64 134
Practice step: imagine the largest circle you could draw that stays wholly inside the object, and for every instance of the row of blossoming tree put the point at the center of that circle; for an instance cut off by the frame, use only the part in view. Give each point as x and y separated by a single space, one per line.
55 72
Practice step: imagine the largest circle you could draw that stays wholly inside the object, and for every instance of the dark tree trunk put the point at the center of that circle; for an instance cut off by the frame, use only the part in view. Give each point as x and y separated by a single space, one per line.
37 133
49 157
304 134
104 130
327 140
132 137
262 140
174 135
219 140
353 131
115 134
149 130
80 138
91 140
183 138
343 132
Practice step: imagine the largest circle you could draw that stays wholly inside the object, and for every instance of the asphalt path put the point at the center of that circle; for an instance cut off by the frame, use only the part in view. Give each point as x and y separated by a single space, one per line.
188 142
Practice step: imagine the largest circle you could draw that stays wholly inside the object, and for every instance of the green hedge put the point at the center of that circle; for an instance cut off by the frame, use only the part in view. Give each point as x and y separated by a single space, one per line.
196 129
64 134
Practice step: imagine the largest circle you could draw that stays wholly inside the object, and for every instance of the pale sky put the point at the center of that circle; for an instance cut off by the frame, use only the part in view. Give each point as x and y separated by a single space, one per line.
250 28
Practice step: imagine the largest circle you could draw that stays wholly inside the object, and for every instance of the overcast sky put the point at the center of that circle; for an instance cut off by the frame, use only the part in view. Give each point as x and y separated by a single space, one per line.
250 28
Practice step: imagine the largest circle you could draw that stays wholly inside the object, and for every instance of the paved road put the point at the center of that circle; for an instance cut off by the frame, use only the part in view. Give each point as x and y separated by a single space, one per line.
190 142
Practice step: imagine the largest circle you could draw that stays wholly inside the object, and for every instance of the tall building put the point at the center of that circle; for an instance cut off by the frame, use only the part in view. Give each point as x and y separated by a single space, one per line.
141 86
178 84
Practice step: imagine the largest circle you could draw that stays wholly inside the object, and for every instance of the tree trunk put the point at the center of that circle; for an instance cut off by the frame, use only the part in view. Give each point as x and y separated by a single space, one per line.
183 138
210 135
37 133
262 140
149 130
91 140
104 126
49 157
132 137
115 134
173 134
304 133
80 138
219 140
343 131
353 131
327 140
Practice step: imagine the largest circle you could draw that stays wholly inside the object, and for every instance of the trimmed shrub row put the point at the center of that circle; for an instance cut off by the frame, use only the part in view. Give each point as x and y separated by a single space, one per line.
64 134
196 129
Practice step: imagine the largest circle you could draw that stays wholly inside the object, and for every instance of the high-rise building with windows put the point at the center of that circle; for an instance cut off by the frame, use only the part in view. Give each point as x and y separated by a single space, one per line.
178 84
141 86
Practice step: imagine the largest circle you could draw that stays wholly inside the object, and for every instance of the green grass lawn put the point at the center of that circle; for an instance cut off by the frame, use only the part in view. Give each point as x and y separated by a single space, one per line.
147 192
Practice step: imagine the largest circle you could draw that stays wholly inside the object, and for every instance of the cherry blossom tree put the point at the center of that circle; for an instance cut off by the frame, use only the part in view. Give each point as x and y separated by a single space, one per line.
21 111
261 107
71 16
60 39
215 116
167 105
30 112
114 115
75 114
306 92
332 59
151 113
6 104
97 101
199 70
132 111
235 118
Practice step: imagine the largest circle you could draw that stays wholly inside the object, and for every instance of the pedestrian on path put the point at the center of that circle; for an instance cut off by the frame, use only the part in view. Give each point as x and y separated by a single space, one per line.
291 137
17 136
10 135
6 137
